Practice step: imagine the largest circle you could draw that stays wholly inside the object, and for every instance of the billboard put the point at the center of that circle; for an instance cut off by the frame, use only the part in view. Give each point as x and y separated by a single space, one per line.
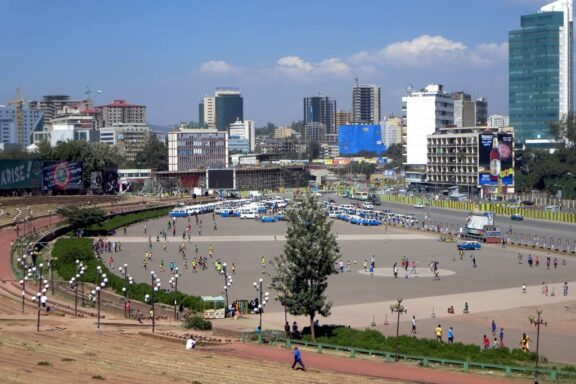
110 180
62 176
496 159
220 179
20 174
96 182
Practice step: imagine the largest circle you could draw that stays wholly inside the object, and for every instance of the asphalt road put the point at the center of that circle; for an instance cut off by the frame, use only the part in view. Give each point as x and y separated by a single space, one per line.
531 227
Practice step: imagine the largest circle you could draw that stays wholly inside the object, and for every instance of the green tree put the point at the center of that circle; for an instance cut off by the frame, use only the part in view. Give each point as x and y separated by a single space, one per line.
565 129
302 271
394 152
313 151
81 217
154 155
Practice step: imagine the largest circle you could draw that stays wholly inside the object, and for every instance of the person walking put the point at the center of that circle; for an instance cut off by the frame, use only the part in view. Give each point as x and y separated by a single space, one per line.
413 325
298 359
485 342
450 335
438 333
501 336
493 326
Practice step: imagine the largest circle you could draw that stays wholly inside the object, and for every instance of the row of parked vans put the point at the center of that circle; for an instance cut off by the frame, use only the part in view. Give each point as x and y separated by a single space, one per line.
243 208
367 215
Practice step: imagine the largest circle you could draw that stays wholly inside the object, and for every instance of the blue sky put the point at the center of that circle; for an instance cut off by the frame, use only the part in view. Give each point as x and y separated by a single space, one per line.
169 54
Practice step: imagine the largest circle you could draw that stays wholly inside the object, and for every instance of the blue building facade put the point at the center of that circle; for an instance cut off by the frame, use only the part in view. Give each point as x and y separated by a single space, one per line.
355 138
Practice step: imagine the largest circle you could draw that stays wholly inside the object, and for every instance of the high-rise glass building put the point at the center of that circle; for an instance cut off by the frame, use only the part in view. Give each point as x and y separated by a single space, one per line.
365 104
320 109
229 107
540 71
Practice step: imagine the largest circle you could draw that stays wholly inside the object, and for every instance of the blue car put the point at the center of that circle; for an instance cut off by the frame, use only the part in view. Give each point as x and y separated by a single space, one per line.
268 219
468 246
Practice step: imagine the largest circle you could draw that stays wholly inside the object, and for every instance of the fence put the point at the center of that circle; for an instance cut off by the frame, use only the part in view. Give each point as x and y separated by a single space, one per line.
553 374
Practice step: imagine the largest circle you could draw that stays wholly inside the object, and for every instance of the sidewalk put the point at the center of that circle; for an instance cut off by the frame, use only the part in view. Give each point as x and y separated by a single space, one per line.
363 367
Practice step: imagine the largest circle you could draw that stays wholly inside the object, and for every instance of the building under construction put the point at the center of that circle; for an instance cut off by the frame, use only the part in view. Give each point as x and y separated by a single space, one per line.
271 177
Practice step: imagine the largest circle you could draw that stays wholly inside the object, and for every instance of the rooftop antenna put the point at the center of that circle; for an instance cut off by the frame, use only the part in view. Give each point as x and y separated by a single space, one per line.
356 79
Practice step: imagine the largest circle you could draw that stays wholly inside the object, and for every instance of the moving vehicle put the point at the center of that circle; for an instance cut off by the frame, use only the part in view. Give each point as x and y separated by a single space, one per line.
516 217
468 246
268 219
178 212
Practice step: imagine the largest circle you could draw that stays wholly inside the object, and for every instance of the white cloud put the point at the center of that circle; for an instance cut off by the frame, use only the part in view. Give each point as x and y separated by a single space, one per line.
217 67
295 66
429 51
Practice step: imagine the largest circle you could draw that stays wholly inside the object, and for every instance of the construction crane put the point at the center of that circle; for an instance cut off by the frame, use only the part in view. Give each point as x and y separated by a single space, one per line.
19 103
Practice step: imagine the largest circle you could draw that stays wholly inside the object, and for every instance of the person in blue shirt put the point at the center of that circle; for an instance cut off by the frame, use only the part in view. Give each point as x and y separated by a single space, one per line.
298 359
450 335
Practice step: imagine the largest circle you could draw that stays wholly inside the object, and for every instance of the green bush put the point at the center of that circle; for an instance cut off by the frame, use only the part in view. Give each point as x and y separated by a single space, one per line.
197 322
68 250
410 345
123 220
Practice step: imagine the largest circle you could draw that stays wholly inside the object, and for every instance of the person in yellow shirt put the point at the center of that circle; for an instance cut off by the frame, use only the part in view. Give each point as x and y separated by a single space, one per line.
438 333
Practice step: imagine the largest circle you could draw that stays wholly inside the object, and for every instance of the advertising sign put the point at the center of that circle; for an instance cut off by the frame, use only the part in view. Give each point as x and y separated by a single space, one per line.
110 180
220 179
96 182
62 176
496 159
20 174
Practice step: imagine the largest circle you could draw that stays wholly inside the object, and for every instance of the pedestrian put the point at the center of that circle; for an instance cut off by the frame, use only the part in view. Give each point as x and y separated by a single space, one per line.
565 288
438 333
523 287
190 343
287 330
525 343
493 326
371 270
341 266
298 359
145 228
413 325
450 335
501 336
485 342
555 263
495 344
365 264
474 261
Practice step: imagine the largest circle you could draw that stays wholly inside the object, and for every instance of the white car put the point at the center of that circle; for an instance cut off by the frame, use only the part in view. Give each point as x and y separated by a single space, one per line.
367 206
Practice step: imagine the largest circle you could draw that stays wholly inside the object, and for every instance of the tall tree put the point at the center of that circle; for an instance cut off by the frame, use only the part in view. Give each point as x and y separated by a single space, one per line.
81 217
154 155
302 271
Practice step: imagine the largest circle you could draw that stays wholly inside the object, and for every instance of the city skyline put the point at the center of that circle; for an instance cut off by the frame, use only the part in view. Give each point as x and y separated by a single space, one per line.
169 56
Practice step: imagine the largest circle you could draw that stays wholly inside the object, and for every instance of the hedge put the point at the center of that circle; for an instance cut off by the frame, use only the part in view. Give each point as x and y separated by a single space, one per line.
67 250
122 220
411 345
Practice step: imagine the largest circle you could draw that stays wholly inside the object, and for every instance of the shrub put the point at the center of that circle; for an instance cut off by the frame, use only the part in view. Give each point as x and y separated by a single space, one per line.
123 220
197 322
68 250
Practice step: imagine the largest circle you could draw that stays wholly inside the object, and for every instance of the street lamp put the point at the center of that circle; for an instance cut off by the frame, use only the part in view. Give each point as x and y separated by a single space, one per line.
128 281
155 284
51 263
74 285
537 322
261 303
227 284
80 269
174 284
101 283
399 309
42 290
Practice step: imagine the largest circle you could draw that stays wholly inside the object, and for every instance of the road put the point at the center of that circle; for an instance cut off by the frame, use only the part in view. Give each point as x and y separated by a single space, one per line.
529 227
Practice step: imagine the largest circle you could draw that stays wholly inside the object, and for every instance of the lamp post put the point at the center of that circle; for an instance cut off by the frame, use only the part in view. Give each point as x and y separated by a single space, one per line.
80 269
227 284
42 290
128 281
155 284
74 285
51 266
537 322
22 264
399 309
101 283
174 285
261 303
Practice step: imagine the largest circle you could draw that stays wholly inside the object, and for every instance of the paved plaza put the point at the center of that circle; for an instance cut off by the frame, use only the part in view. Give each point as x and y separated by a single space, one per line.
493 288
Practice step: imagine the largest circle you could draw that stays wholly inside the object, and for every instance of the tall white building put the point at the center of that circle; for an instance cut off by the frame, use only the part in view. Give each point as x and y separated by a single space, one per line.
391 131
426 111
498 121
208 111
245 131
